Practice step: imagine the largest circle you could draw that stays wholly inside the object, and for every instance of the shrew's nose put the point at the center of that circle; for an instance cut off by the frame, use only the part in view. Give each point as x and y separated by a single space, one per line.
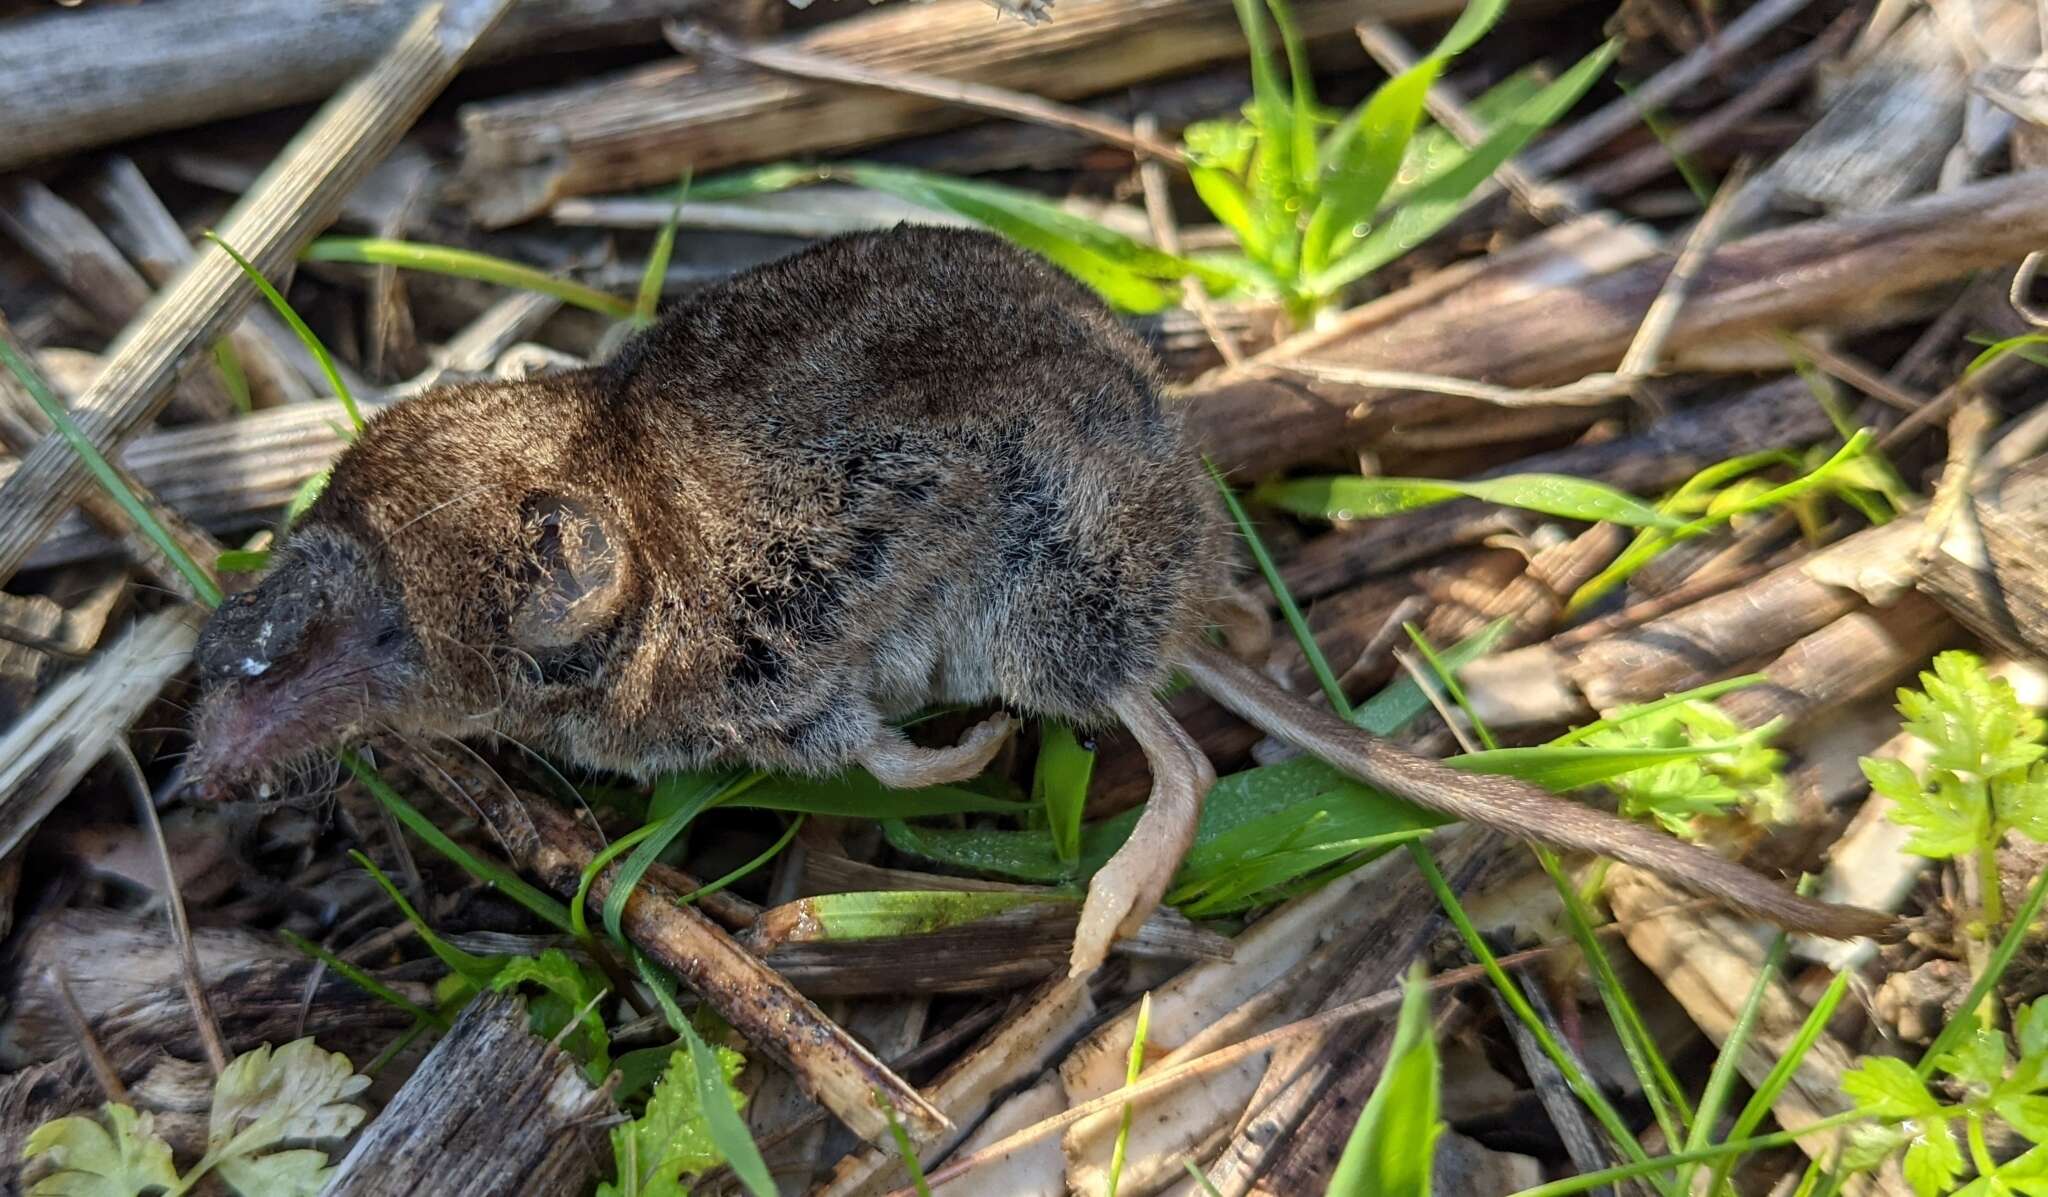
250 632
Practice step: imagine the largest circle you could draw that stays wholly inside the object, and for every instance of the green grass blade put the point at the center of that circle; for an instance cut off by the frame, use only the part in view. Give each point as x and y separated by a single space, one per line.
857 795
1124 271
1964 1024
306 335
1392 1148
463 263
1289 609
1346 498
1225 197
656 273
1364 154
110 480
309 491
1570 766
1201 1179
242 561
477 970
1645 549
1370 147
1999 349
906 1150
1272 109
229 363
1301 90
1727 1064
1133 1065
1433 150
1766 1094
497 876
1432 207
644 856
1589 1095
894 913
1060 783
728 1133
362 980
748 869
1660 1085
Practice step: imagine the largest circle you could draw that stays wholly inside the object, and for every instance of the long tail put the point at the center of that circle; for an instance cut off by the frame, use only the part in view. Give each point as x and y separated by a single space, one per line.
1516 808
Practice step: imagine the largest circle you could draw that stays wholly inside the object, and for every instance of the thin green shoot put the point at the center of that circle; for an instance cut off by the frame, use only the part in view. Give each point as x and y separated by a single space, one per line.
362 980
1652 542
748 869
2027 350
202 583
1695 180
645 854
229 363
1766 1094
1289 610
1706 693
728 1132
1133 1065
1589 1094
306 335
1648 1168
397 1045
1727 1065
1660 1086
463 263
1994 968
1059 785
1449 681
907 1151
1201 1178
652 279
548 909
1392 1147
2024 345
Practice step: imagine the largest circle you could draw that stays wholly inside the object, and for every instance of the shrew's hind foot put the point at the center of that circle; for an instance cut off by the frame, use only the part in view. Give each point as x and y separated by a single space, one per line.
1126 891
902 765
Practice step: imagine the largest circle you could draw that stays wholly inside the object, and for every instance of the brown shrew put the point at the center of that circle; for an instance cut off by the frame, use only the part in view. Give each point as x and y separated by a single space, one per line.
894 470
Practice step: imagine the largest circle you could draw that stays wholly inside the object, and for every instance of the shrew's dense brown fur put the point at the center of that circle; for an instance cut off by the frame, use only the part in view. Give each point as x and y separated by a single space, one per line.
897 469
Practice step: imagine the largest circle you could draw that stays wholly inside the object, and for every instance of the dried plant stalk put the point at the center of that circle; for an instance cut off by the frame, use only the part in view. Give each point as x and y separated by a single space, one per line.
295 198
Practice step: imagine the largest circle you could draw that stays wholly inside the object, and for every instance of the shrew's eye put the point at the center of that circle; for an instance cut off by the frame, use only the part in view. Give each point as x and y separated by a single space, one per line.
388 636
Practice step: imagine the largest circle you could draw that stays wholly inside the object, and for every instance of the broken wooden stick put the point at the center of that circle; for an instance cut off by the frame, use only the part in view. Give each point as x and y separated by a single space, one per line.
493 1110
835 1069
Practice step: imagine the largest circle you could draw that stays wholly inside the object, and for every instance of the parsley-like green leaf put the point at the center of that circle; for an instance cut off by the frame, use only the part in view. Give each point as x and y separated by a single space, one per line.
1979 1060
1933 1161
297 1092
1950 819
658 1153
1888 1088
124 1158
1677 792
569 997
2021 801
1974 721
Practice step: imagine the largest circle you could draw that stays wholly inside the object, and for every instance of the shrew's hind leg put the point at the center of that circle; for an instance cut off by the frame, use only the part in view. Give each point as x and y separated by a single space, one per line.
899 764
1127 890
1247 629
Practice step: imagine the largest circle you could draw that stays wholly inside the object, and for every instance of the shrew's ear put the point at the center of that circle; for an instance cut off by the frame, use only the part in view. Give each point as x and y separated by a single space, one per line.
577 570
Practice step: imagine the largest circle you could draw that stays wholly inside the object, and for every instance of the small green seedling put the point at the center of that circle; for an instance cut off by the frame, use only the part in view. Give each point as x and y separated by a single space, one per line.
1392 1148
669 1145
1985 776
1996 1087
265 1099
